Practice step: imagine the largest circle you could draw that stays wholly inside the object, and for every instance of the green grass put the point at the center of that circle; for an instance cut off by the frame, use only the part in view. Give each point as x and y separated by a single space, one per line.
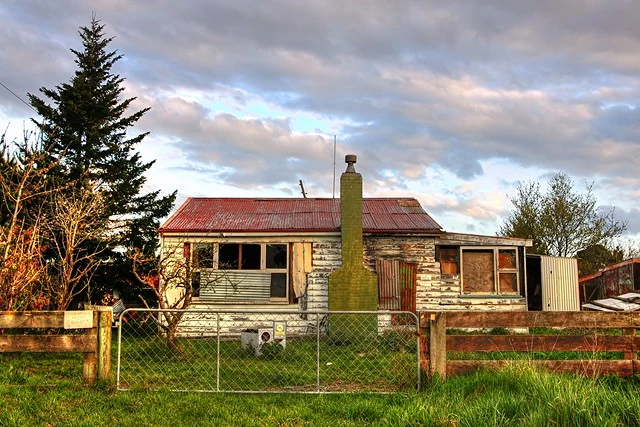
47 390
385 363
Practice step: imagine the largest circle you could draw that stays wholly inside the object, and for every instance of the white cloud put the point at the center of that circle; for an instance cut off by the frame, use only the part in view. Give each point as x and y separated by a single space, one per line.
451 102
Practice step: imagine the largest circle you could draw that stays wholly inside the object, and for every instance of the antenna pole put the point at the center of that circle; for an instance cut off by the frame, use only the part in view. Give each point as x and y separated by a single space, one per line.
334 167
304 194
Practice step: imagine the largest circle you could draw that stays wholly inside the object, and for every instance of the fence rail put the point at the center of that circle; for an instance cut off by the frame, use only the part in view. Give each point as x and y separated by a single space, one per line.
95 343
583 332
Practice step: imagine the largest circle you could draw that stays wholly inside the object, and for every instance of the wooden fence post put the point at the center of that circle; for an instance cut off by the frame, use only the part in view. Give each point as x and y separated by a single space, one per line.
104 344
423 343
633 354
438 344
89 359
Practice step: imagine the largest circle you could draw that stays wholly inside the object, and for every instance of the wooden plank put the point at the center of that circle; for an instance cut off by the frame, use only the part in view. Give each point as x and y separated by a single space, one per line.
524 319
33 319
622 368
48 343
589 343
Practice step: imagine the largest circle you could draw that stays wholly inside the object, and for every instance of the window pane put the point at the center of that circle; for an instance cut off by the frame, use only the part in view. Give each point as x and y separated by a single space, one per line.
508 283
195 283
477 272
228 254
203 255
250 257
278 285
276 256
507 259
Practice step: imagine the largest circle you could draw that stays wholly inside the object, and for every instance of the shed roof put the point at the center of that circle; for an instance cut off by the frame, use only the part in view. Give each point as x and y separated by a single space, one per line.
379 215
603 270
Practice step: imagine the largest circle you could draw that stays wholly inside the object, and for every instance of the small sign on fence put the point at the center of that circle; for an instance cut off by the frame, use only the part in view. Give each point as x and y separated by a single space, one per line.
78 319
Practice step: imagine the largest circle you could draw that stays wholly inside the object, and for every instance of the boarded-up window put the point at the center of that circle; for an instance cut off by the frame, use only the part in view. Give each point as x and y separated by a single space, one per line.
490 271
508 283
448 257
396 285
478 272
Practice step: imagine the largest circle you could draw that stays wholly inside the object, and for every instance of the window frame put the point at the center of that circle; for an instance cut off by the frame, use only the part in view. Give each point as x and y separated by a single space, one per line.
263 266
496 269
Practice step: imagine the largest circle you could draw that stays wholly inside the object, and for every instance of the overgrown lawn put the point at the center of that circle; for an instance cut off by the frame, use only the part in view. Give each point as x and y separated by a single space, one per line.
48 390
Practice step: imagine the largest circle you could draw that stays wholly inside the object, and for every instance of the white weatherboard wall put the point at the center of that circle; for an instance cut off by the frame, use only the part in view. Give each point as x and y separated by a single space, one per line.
434 291
560 290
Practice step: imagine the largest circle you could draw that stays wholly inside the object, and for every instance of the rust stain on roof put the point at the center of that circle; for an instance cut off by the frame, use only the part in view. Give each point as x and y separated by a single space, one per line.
379 215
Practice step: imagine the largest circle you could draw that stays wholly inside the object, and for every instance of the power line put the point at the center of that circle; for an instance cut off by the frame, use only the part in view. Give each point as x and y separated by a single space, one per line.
16 95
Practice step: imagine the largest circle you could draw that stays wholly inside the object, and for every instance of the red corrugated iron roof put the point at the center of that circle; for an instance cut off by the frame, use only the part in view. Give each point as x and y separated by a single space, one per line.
379 215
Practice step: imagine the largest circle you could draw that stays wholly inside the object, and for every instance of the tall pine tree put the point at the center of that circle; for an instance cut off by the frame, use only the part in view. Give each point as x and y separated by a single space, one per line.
85 127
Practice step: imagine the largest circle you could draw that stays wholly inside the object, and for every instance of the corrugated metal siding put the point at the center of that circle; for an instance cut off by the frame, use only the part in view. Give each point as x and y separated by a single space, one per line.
235 286
408 278
560 290
388 284
612 280
618 281
243 214
396 285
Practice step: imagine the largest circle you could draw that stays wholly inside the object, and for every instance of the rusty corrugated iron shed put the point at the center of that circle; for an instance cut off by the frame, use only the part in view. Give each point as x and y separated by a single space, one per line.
379 215
612 280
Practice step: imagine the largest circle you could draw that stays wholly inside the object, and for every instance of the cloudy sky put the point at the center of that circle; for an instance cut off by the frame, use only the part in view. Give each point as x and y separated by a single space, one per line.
451 102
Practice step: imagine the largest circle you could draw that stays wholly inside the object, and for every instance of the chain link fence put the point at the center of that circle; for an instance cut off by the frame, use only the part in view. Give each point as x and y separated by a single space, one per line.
268 351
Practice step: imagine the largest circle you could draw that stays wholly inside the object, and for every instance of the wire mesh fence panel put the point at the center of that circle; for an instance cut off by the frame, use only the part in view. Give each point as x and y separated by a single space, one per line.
268 351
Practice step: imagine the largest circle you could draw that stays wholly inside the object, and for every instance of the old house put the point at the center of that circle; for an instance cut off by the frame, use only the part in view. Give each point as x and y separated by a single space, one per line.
351 253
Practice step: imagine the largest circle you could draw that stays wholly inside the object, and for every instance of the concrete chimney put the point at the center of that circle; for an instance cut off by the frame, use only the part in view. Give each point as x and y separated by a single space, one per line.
352 287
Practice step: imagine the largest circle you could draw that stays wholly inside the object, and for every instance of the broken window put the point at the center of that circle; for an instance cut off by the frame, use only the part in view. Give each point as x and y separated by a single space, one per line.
203 255
245 272
195 284
239 256
490 271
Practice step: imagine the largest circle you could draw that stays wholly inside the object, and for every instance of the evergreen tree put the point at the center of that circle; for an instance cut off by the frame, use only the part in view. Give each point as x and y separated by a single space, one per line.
85 127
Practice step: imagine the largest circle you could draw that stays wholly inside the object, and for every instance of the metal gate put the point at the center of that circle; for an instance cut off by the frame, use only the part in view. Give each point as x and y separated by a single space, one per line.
246 351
